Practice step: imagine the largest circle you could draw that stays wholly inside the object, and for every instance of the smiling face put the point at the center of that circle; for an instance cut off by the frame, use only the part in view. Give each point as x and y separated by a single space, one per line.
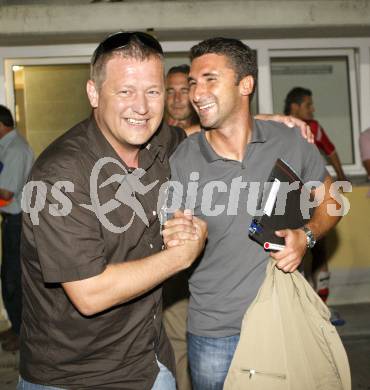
177 96
214 93
128 107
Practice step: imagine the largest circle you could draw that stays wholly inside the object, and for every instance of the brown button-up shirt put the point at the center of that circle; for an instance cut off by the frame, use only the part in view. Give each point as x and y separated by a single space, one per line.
70 240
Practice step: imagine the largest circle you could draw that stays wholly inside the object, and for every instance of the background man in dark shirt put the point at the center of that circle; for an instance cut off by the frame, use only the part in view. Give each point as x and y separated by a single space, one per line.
179 111
92 305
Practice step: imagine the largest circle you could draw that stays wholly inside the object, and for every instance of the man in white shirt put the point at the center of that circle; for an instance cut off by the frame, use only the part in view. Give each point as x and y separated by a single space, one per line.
16 160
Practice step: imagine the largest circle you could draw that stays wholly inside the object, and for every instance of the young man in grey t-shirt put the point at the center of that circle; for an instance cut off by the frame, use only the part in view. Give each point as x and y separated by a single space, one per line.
223 163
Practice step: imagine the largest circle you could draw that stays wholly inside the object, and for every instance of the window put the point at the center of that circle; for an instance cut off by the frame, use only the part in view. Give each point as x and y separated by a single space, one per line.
328 79
46 91
336 70
49 99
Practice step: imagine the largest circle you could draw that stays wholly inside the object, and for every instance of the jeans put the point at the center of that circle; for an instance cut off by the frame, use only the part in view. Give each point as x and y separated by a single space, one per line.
11 287
24 385
164 381
209 360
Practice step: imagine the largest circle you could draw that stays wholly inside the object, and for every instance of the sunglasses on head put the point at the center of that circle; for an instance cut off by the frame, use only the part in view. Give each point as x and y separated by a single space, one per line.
121 39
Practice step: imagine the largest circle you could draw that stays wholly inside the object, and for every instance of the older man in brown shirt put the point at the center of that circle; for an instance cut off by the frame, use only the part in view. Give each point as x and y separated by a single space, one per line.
92 255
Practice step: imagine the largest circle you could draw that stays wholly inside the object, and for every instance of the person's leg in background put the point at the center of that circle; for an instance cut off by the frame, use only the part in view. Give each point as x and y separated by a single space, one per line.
209 360
175 314
11 277
321 275
320 269
174 319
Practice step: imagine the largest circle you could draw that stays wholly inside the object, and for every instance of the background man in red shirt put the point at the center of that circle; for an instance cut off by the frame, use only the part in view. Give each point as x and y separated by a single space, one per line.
299 103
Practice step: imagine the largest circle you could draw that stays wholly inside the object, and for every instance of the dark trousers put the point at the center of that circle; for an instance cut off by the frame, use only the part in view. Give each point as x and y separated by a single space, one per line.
11 268
319 256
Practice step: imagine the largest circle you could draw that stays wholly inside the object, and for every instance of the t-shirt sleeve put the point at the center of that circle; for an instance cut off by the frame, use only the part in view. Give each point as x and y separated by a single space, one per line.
322 141
67 235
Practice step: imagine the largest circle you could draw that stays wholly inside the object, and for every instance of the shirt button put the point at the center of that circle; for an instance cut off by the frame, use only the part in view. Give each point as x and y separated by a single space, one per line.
151 245
154 212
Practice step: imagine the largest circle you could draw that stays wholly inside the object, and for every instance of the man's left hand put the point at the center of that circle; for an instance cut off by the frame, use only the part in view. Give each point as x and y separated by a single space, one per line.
289 259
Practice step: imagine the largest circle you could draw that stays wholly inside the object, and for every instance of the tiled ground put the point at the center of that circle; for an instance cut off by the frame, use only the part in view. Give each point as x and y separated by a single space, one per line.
355 335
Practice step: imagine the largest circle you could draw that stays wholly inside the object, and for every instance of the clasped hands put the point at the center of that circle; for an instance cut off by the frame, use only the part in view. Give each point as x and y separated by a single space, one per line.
187 234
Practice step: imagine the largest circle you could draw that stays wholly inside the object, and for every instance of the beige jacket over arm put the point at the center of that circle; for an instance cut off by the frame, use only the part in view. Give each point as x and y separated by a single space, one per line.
287 341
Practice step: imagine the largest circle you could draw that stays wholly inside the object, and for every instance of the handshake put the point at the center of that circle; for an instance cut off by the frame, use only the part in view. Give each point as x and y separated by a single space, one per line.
185 235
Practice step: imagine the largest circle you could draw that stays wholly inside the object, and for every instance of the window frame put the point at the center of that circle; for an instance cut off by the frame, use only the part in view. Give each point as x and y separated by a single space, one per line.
9 63
353 98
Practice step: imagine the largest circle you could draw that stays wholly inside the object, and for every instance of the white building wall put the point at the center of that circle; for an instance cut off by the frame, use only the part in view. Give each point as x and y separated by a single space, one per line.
172 19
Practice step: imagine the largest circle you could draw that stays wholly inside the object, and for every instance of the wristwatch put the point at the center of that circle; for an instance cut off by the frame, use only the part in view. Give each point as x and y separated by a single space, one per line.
310 238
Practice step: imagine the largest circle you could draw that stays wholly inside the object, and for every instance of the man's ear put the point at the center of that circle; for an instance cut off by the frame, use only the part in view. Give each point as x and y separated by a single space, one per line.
92 93
246 85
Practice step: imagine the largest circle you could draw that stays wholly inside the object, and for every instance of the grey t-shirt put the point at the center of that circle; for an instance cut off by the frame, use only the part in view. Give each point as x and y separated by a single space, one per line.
227 277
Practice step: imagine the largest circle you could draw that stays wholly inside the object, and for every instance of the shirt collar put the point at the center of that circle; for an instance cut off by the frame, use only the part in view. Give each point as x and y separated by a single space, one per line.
159 142
99 145
8 138
206 149
258 136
